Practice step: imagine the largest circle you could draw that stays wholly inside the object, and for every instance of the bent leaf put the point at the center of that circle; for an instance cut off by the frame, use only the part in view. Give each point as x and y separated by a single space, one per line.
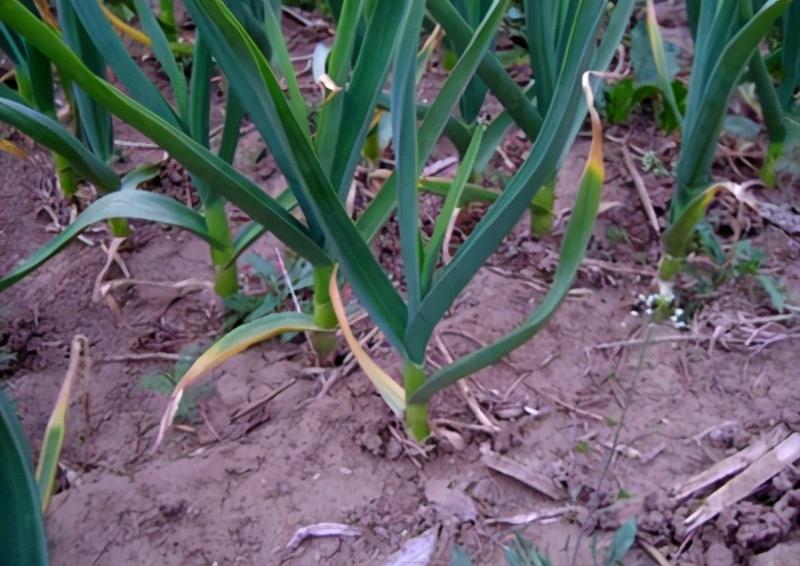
120 204
576 239
56 425
56 137
389 389
233 343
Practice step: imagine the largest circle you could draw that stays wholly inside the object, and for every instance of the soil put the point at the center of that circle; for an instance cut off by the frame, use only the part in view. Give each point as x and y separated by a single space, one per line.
227 490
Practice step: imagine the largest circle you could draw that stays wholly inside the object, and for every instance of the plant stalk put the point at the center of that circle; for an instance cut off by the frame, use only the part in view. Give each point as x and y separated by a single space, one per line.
416 413
226 283
324 343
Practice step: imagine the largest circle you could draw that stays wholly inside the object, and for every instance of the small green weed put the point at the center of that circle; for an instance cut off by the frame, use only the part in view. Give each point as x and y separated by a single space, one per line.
276 291
165 382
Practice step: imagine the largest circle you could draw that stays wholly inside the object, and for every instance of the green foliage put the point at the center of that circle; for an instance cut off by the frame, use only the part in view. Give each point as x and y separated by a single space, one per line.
278 294
22 538
521 552
743 266
622 542
646 84
164 383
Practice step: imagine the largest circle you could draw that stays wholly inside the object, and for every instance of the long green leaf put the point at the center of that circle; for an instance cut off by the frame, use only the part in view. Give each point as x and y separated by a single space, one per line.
163 52
329 119
120 204
233 186
791 55
703 124
341 139
247 71
112 50
22 538
93 120
280 53
54 136
437 117
404 130
491 71
541 22
660 58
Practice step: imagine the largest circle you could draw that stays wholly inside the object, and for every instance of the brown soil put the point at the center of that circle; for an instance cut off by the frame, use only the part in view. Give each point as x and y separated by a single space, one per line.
225 491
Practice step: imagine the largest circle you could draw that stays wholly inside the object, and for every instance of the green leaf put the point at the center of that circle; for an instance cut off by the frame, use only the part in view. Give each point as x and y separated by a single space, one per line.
623 540
791 56
434 248
111 49
94 121
121 204
490 70
404 131
675 240
437 117
231 344
22 537
541 24
620 101
643 62
776 295
55 137
719 62
281 55
163 53
666 65
345 123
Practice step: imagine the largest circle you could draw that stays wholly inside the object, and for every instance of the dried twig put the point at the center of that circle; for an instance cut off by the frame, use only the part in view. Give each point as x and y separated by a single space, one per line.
322 530
729 466
638 182
745 483
534 517
248 408
145 357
